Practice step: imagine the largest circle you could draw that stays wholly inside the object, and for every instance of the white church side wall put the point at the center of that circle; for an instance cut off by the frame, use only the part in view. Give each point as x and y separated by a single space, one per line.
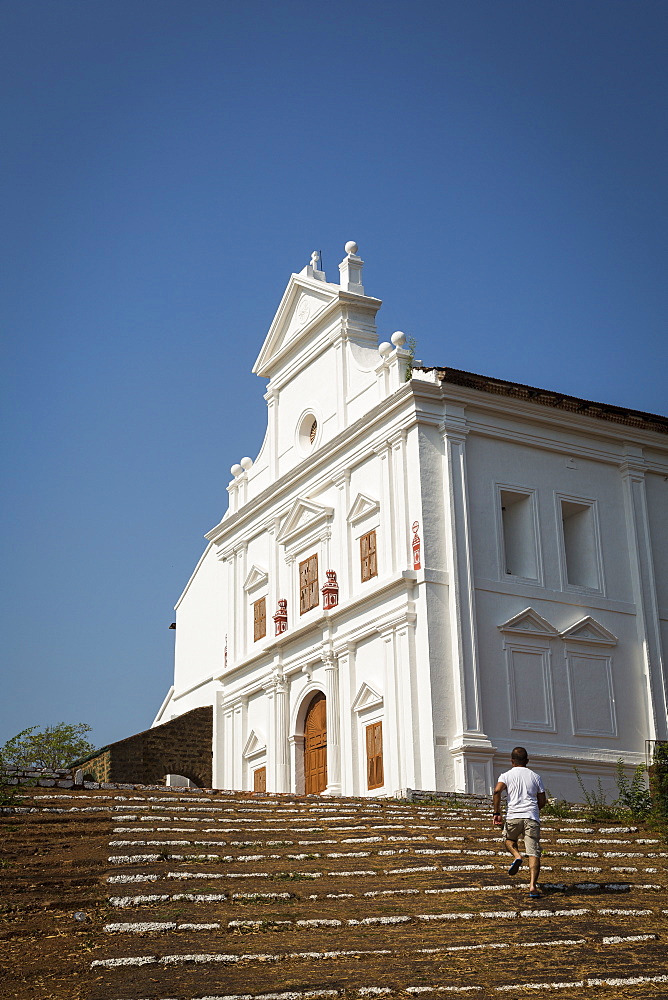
200 633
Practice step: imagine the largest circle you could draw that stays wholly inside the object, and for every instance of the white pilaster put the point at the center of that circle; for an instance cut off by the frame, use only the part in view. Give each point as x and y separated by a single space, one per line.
644 590
228 756
386 560
238 745
342 483
296 751
346 662
400 522
270 693
218 741
409 705
232 637
341 366
281 747
394 757
241 600
470 739
333 722
271 397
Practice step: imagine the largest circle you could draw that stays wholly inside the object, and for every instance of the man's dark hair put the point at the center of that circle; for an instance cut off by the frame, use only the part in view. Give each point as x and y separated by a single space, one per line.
519 756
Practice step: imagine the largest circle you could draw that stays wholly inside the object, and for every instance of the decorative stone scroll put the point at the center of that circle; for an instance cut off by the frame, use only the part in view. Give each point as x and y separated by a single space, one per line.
281 616
330 591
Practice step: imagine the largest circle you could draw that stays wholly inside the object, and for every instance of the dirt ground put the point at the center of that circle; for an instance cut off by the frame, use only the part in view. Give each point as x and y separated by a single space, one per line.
246 895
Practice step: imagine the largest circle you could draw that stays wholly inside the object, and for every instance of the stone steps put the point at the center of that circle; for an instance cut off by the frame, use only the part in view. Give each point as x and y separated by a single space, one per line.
235 895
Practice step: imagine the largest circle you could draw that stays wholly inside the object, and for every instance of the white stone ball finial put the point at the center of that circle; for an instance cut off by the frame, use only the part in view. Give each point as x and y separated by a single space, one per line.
384 349
236 470
398 338
351 247
246 463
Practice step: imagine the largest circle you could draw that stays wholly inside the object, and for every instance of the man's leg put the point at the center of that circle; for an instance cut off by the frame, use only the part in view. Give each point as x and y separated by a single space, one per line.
511 831
534 872
532 845
511 846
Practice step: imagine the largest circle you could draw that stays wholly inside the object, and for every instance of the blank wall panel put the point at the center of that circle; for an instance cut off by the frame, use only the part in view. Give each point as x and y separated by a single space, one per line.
530 689
592 700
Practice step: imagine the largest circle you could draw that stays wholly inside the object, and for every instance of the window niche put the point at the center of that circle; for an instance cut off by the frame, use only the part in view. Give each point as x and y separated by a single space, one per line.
308 584
259 619
374 755
368 557
519 538
256 587
580 547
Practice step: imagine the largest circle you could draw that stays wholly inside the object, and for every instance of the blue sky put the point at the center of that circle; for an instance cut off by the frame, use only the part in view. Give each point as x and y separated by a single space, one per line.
167 165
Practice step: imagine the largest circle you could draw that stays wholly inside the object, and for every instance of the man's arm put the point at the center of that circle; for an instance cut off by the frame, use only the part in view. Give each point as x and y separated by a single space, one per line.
496 798
541 798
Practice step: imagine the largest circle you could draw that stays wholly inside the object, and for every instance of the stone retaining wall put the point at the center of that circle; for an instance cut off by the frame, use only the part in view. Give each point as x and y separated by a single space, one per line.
180 746
422 795
60 778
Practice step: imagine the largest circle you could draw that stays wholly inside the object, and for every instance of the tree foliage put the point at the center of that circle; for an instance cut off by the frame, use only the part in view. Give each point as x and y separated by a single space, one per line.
51 747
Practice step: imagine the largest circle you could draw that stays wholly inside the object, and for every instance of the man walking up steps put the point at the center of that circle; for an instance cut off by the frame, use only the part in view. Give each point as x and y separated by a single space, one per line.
526 797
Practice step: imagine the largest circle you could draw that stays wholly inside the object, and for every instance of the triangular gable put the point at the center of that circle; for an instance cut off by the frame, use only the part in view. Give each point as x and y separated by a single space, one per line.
366 698
256 578
193 575
303 515
255 744
362 507
588 630
304 303
528 622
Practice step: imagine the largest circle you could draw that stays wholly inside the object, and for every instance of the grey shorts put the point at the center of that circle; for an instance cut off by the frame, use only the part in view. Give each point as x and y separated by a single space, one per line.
528 830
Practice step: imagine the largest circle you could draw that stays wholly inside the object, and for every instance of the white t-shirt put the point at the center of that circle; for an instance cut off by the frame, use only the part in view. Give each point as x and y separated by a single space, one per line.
523 786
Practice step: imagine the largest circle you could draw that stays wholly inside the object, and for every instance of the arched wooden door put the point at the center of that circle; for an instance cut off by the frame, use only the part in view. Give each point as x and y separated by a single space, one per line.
315 746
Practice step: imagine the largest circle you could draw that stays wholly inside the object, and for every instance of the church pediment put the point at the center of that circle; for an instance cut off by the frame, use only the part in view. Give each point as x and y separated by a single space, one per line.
304 303
588 630
304 516
362 507
257 577
255 744
528 622
366 698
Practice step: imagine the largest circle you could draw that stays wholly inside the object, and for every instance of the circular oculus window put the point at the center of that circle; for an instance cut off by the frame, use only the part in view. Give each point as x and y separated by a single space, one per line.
308 432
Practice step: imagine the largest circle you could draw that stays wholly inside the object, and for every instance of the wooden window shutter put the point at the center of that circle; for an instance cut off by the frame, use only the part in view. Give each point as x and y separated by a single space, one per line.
368 556
374 755
260 619
309 596
373 564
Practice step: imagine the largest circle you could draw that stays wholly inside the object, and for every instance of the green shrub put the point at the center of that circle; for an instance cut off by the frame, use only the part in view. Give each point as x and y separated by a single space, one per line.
634 796
596 805
559 808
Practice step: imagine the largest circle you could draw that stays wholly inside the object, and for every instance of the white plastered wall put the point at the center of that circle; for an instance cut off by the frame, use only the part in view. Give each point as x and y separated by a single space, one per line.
200 625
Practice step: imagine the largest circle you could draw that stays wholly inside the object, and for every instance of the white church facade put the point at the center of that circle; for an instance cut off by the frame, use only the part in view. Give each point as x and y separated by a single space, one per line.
423 568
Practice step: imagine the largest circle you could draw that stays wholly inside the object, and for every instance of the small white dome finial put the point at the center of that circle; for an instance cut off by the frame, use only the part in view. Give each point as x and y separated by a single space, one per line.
236 470
351 247
246 464
384 349
398 338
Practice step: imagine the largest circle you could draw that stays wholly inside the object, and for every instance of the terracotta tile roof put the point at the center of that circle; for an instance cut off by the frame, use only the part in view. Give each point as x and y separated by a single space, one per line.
558 400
